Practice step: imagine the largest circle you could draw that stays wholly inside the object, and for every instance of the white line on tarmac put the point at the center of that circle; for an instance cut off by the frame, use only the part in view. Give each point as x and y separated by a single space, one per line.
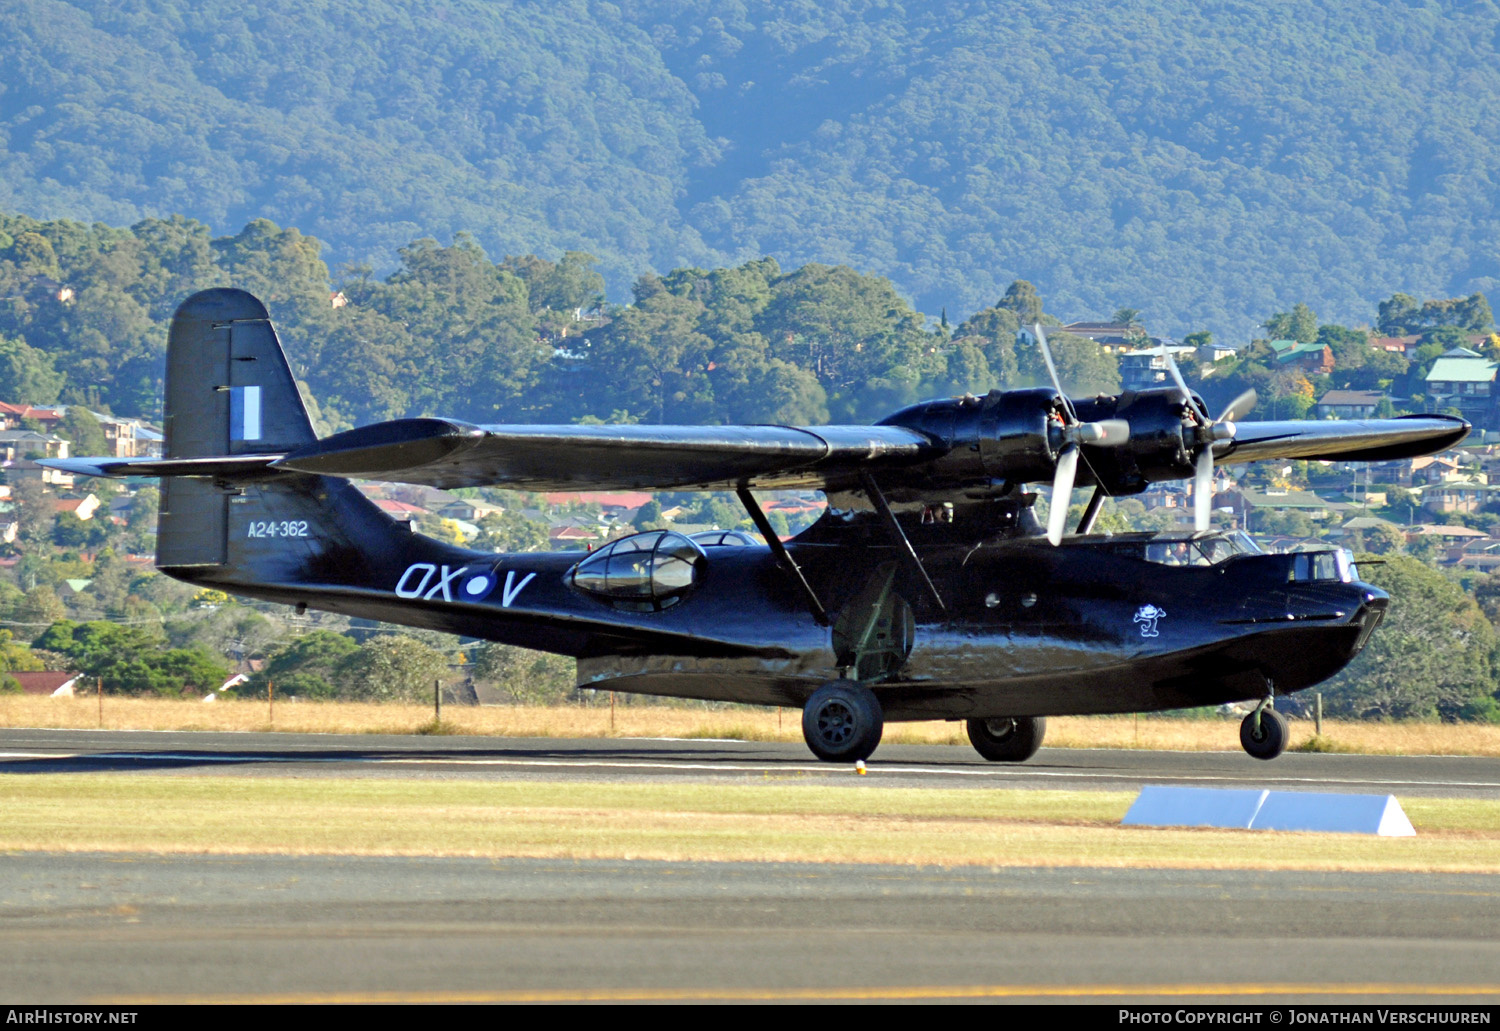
1002 772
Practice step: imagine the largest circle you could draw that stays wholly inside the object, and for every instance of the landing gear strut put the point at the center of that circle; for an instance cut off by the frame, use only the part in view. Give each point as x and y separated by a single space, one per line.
842 722
1264 732
1007 739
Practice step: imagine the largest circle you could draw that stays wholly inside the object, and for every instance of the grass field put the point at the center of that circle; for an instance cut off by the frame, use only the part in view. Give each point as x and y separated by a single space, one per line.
773 821
744 723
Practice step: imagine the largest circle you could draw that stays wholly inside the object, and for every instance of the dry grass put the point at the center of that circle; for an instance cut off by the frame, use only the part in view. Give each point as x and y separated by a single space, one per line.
742 723
680 822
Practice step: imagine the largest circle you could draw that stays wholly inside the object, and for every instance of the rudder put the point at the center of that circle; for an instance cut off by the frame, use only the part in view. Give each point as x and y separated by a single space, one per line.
229 391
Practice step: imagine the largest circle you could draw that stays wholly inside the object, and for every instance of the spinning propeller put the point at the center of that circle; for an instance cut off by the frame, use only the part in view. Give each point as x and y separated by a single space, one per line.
1104 433
1205 434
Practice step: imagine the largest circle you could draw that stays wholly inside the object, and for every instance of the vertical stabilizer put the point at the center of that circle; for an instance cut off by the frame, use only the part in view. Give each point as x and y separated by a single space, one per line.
229 392
229 388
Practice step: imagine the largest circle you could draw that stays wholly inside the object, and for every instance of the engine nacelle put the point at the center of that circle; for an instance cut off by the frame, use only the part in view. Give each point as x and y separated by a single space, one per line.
1160 446
1006 434
1015 436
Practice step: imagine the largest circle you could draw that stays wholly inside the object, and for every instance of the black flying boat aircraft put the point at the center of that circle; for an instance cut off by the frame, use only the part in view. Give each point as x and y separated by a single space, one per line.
928 590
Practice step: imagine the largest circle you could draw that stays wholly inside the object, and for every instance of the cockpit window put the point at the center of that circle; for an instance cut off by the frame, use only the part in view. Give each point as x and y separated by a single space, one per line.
1323 565
724 539
1205 550
645 572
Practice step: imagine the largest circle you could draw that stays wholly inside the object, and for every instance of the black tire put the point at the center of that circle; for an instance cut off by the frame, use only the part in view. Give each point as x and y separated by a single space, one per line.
1007 739
842 722
1273 736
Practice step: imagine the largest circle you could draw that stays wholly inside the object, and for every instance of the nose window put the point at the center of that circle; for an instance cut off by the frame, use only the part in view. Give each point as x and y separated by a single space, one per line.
645 572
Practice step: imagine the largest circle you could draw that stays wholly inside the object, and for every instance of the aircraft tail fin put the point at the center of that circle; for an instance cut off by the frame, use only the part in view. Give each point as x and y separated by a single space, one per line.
229 388
232 407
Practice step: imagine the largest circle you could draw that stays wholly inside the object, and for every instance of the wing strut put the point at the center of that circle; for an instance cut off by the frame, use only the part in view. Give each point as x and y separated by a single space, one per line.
903 545
758 517
1091 511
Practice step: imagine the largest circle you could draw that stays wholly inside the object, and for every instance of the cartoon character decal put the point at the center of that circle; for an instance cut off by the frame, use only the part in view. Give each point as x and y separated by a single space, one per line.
1146 616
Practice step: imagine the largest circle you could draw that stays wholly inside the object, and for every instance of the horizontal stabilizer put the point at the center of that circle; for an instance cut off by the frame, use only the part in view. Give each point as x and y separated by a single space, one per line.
222 466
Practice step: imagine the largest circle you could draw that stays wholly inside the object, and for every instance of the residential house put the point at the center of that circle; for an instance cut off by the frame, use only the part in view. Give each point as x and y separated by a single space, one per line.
1244 503
1113 337
1147 368
18 444
1165 495
465 511
619 505
12 415
1467 494
1362 523
25 469
56 683
1464 380
1396 345
127 438
84 507
1210 353
1443 532
400 511
1316 358
1348 404
1429 469
563 536
1480 553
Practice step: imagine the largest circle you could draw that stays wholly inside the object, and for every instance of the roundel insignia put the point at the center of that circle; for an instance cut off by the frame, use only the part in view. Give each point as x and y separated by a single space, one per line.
477 587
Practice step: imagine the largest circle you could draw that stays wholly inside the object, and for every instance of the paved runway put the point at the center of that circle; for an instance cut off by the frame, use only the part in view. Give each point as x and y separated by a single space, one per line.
624 760
174 928
277 928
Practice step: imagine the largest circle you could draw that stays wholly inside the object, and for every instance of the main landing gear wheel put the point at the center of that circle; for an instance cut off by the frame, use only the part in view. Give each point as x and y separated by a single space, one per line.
1269 739
842 722
1007 739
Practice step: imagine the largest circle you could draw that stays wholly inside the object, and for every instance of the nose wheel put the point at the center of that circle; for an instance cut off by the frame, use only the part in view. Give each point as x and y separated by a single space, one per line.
842 722
1007 739
1264 732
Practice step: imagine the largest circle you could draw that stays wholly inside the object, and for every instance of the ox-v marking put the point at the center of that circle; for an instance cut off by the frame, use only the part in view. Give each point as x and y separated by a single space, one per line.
477 588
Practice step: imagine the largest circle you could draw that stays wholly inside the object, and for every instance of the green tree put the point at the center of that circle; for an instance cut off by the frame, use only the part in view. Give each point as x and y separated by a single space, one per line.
1299 324
307 666
526 677
130 660
994 331
511 532
392 668
1082 365
79 426
27 375
1022 299
1430 656
40 606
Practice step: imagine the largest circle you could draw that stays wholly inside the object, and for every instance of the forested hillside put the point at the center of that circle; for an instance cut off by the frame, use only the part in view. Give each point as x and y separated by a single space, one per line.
1207 162
84 312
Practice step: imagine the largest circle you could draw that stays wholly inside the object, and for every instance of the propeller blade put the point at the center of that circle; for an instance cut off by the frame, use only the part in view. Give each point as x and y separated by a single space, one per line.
1203 489
1062 492
1239 407
1187 395
1041 340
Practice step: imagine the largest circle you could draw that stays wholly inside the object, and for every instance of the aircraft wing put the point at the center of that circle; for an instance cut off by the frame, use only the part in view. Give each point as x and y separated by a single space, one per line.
1363 440
446 454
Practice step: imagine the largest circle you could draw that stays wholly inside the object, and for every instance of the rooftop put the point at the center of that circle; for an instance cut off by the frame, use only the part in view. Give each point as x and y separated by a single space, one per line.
1462 369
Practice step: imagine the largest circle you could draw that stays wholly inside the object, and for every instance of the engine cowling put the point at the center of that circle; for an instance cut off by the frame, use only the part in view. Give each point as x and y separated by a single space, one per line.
1015 436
